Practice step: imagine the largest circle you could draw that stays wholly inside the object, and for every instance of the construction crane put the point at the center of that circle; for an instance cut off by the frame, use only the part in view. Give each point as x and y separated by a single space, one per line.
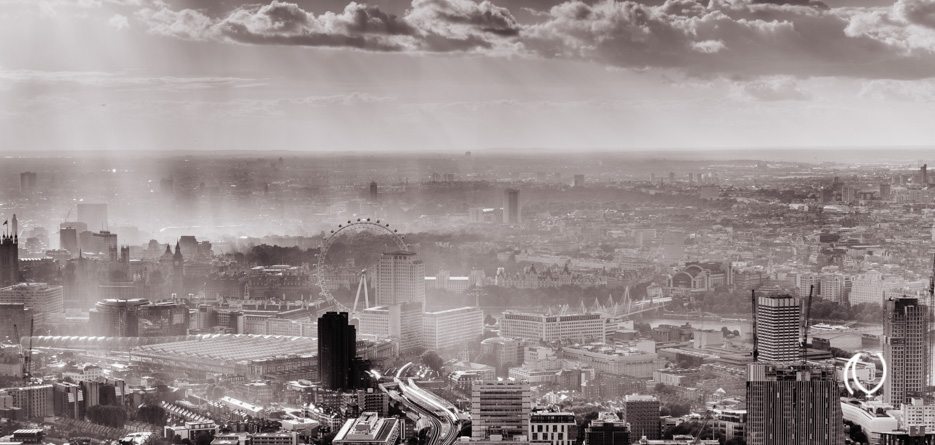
756 351
808 314
27 357
697 439
19 342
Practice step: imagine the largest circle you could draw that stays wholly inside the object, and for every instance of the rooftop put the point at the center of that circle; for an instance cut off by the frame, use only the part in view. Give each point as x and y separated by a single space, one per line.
234 347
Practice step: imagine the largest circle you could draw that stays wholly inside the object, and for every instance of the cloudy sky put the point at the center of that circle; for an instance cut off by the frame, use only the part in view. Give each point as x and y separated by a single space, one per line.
465 74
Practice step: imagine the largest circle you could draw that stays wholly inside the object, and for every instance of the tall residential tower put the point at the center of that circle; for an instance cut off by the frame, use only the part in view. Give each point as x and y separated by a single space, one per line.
904 349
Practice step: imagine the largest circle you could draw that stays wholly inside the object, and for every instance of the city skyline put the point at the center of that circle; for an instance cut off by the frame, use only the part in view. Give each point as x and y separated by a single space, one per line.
546 299
467 222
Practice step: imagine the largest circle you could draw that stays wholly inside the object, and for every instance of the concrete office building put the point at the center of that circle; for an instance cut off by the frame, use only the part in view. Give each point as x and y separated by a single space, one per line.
500 408
777 328
33 401
641 412
451 328
867 288
14 314
138 317
550 328
45 302
400 322
552 428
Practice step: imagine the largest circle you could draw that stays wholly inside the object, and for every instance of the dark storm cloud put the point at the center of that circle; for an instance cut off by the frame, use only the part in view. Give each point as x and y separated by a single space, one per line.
484 16
738 37
429 25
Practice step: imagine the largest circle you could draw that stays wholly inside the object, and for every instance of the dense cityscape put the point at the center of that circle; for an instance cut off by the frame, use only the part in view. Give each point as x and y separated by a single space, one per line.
476 298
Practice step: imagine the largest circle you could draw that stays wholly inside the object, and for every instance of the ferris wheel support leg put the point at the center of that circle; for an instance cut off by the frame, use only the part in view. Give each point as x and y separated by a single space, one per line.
366 292
360 285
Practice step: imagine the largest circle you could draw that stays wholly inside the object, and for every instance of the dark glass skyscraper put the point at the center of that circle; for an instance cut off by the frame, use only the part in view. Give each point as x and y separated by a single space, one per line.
337 348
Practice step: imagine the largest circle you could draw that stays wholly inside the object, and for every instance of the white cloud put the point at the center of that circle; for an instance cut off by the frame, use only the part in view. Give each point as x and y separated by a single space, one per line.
769 89
119 22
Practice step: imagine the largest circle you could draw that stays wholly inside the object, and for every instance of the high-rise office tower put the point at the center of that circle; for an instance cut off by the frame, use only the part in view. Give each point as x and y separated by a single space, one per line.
579 181
45 302
68 239
642 413
337 347
511 211
27 182
607 429
924 174
904 349
793 404
94 215
500 408
777 328
374 191
106 242
886 191
400 279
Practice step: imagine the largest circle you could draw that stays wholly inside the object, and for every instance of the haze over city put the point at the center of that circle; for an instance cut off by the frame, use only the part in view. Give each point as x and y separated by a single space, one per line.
467 222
